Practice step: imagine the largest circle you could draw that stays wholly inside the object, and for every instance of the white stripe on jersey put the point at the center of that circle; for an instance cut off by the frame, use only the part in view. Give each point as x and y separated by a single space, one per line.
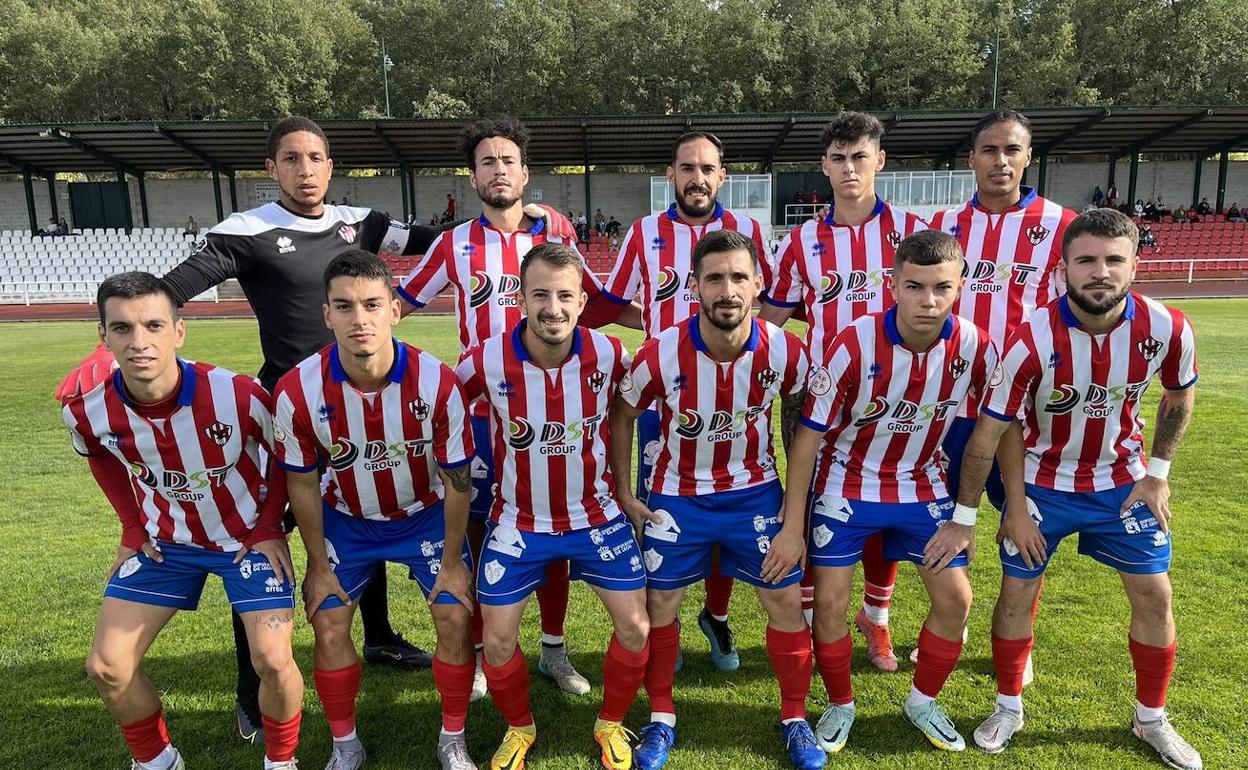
1079 396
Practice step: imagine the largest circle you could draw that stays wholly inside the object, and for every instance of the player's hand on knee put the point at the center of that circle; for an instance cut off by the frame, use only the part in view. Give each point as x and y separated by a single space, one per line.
1021 531
86 375
786 550
1154 493
944 546
453 578
125 553
277 552
319 584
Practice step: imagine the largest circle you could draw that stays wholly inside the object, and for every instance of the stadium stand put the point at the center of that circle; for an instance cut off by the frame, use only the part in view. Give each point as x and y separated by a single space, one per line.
1212 249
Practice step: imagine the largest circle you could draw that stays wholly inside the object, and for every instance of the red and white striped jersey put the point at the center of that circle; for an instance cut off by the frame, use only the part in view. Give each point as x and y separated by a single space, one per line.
381 451
886 409
714 416
1078 396
549 429
839 272
482 266
655 259
1012 261
197 472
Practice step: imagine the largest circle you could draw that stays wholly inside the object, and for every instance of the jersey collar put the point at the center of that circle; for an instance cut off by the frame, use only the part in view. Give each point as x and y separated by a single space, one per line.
699 344
186 393
673 213
538 225
894 334
338 374
1072 320
1029 197
522 353
875 212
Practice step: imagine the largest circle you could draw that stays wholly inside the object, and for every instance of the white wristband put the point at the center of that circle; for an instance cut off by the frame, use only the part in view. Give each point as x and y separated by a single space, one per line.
1158 468
965 515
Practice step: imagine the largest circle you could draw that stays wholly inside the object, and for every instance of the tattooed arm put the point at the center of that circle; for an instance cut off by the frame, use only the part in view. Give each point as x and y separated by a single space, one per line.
454 577
1173 414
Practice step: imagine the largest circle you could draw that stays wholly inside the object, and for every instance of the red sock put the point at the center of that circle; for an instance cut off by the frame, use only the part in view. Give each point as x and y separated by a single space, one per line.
834 660
337 690
147 737
509 687
661 667
622 673
478 629
880 575
718 592
937 659
1153 667
1009 656
791 659
281 738
552 598
454 683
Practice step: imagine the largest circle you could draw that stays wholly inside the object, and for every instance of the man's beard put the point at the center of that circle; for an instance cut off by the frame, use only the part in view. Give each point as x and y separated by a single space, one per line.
718 322
547 336
689 209
499 199
1093 307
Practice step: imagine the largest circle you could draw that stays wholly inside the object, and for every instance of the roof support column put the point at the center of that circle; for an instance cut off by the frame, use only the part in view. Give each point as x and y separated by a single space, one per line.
233 192
585 159
125 189
29 184
216 192
1223 167
411 195
56 214
143 200
1200 165
1113 171
1044 174
1134 177
403 191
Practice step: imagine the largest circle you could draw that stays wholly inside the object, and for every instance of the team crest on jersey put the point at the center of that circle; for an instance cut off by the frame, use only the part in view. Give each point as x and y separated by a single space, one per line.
958 366
597 380
200 245
626 382
767 377
219 432
1036 234
820 382
893 238
1149 348
347 233
419 409
998 376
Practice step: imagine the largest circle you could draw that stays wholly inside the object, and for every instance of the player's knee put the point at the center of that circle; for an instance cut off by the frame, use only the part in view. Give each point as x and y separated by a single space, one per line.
1150 598
453 622
953 604
633 631
499 645
330 633
1017 597
108 674
271 661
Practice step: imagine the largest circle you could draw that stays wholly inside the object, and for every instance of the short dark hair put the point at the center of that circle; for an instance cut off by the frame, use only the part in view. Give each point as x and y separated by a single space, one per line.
290 125
131 286
999 116
1102 223
926 248
691 136
557 255
720 242
849 127
357 263
505 127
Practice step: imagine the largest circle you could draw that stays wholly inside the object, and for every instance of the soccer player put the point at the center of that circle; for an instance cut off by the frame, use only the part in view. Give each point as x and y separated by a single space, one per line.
549 384
176 447
480 261
715 377
1075 374
388 423
885 397
837 269
654 266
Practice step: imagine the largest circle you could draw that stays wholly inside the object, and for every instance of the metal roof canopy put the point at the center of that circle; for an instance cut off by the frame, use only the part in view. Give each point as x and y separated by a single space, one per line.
751 139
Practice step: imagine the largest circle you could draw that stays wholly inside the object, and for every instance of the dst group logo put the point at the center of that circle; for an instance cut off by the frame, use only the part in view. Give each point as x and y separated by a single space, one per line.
992 277
552 438
719 426
860 286
481 288
378 455
1098 401
670 283
906 416
184 486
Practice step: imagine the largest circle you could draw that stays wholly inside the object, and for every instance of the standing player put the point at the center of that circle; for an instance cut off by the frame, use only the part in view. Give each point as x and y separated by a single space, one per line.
549 384
176 447
480 260
837 269
885 397
1074 374
654 260
715 377
389 421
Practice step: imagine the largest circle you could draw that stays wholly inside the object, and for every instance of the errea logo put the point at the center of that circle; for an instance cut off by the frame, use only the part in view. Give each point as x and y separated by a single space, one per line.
285 245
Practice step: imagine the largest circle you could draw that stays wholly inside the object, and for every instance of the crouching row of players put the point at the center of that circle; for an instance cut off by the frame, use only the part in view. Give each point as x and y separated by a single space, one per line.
373 439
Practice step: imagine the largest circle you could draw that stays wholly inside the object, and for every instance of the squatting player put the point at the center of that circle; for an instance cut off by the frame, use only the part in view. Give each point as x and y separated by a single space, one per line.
176 448
653 266
549 384
480 260
837 269
885 397
389 424
715 377
1074 374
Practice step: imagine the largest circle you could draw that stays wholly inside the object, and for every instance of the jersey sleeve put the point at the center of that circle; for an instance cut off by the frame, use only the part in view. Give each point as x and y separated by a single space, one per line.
982 369
218 258
295 446
84 442
260 415
639 385
799 366
382 235
113 478
471 374
431 276
786 284
830 386
625 275
1011 389
452 432
1178 370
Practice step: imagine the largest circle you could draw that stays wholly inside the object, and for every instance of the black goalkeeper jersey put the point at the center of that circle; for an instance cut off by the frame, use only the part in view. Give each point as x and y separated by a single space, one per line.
279 258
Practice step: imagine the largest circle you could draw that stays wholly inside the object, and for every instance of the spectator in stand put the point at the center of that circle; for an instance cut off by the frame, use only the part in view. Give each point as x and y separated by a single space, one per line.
800 196
613 227
1203 208
1162 209
346 201
1097 197
1138 210
814 197
600 223
449 214
192 228
1146 237
64 227
51 229
1112 194
582 228
1233 214
1193 215
1180 216
1150 211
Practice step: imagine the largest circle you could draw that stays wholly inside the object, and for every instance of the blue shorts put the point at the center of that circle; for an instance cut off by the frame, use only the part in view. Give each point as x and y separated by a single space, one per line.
741 522
839 528
355 546
954 447
513 563
648 445
482 471
178 581
1132 543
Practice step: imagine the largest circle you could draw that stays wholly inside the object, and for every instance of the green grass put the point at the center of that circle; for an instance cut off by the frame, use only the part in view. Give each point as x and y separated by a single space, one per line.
57 537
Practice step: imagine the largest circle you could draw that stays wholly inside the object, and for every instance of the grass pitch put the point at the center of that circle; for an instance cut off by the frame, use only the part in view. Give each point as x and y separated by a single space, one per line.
58 535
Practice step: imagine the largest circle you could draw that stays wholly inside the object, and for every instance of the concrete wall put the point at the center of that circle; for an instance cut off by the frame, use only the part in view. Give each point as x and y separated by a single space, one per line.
627 196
